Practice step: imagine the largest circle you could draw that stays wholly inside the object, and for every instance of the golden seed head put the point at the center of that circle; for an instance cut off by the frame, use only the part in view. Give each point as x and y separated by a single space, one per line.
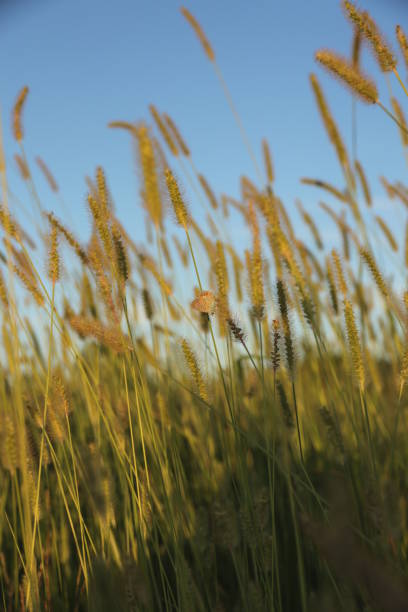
287 332
151 187
387 233
54 267
208 191
22 166
368 28
46 171
179 206
364 183
360 85
199 33
163 130
378 278
267 161
354 343
339 272
122 261
17 112
177 136
194 368
403 42
403 128
329 123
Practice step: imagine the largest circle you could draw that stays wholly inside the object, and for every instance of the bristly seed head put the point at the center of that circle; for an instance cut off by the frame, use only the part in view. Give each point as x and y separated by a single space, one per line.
17 112
360 85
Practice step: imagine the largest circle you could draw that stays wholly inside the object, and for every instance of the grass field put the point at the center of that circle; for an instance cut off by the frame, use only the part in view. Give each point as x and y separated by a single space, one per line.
164 454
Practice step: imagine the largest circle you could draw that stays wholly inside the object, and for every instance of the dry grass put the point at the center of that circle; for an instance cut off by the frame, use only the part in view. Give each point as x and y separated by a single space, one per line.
243 449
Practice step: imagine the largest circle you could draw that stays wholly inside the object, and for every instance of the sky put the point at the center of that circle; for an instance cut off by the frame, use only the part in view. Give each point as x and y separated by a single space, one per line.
88 63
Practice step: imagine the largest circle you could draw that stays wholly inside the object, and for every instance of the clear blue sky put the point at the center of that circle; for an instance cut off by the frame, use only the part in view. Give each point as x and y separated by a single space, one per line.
89 62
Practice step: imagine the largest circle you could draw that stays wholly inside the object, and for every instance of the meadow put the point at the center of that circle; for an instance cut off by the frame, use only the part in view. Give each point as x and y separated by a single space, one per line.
243 450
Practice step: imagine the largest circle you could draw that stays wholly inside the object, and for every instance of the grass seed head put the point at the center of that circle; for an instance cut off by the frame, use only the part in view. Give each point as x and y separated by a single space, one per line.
358 84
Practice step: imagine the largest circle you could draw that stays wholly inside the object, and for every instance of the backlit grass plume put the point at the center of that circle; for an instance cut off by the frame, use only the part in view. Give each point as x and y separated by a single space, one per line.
163 130
363 182
345 72
176 135
150 180
377 276
47 174
179 207
199 33
369 30
17 114
354 344
53 256
403 43
328 121
194 368
267 161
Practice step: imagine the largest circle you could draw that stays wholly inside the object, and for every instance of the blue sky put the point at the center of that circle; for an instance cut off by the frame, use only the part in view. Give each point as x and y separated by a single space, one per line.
89 62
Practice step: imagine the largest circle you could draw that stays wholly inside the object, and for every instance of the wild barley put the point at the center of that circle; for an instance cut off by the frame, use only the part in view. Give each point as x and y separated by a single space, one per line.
17 112
387 233
46 172
177 201
267 161
354 344
221 273
194 368
176 135
369 30
358 84
163 130
199 33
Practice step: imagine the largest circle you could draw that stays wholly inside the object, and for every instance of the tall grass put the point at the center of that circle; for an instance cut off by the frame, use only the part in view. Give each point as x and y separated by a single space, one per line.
243 450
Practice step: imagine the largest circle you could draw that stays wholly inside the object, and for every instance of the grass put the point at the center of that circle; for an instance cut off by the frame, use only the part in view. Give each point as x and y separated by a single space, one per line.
159 455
